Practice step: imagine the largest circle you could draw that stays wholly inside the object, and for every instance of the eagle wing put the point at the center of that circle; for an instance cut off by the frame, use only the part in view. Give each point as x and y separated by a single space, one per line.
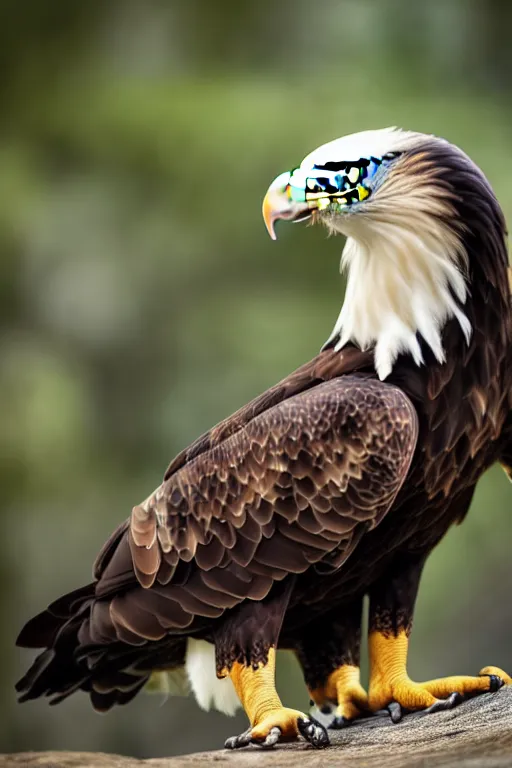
294 487
328 364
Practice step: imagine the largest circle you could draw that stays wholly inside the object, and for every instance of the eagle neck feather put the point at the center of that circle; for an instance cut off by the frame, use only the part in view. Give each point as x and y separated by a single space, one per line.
401 285
431 248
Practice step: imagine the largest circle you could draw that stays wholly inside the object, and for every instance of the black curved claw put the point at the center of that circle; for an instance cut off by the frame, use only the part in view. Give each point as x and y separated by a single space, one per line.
242 740
453 700
395 711
271 738
245 738
338 722
495 683
313 731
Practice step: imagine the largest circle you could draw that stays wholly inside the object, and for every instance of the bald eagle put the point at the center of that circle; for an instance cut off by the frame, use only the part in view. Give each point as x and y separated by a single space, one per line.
337 483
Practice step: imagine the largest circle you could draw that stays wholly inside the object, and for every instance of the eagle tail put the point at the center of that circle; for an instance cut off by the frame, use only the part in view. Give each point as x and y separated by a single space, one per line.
66 664
55 672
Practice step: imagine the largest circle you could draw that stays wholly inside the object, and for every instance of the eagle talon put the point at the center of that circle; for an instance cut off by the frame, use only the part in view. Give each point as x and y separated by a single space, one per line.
270 740
395 711
453 700
495 682
391 687
242 740
339 722
246 738
496 672
313 732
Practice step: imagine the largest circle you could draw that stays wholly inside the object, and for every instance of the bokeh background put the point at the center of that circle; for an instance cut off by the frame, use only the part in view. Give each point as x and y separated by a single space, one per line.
142 300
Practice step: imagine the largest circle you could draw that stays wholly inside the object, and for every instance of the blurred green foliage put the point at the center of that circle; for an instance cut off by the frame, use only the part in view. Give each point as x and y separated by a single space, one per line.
142 300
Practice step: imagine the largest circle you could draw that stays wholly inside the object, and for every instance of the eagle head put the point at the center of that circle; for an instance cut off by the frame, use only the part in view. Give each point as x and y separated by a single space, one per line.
414 209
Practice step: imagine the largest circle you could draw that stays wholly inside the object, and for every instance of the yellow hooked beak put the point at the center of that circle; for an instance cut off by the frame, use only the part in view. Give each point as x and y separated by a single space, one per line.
279 205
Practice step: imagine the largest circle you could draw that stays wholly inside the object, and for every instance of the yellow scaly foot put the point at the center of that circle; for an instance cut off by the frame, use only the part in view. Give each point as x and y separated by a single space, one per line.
391 687
270 721
343 689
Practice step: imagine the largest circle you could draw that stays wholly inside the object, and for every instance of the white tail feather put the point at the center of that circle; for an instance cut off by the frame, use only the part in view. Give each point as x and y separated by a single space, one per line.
209 690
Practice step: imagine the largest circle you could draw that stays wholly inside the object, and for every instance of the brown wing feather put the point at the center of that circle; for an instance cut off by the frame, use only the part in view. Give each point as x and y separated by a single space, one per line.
325 366
295 487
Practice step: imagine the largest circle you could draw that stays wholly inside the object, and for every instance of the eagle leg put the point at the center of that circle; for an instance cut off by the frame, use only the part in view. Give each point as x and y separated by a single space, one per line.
245 648
328 652
391 688
270 721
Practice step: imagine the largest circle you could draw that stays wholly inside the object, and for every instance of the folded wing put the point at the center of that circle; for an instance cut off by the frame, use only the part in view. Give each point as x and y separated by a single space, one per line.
295 487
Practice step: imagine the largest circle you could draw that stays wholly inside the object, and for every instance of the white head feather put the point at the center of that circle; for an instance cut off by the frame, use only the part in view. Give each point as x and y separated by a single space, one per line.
404 264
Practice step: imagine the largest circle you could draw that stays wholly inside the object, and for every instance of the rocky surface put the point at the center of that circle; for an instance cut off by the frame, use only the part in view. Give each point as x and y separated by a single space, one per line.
478 734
